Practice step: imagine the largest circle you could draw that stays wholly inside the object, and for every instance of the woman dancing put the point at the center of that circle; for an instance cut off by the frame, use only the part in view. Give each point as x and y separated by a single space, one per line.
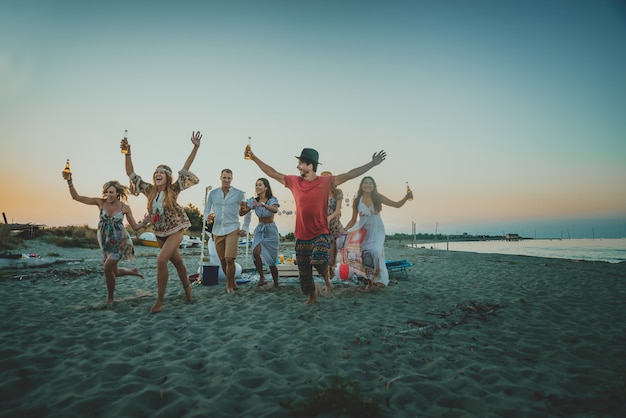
168 218
367 208
335 198
114 239
266 239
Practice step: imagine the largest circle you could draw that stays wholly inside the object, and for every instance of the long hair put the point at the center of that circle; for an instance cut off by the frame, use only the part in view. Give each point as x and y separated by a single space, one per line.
122 191
268 192
169 194
378 206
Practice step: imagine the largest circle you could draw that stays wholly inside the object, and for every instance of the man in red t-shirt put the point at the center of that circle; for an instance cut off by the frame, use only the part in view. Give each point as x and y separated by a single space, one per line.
310 193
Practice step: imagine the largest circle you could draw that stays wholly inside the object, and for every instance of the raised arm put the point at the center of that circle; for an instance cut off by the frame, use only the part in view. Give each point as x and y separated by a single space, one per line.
128 162
386 201
269 171
377 158
97 201
195 139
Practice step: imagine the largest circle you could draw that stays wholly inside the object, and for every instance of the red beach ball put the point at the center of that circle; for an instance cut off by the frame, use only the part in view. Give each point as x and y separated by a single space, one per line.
345 271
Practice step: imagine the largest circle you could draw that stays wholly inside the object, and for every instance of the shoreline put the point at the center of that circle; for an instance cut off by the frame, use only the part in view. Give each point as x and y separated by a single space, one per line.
612 250
466 334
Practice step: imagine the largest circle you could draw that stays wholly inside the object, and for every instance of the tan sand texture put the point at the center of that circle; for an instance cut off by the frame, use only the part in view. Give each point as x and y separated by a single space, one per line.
466 334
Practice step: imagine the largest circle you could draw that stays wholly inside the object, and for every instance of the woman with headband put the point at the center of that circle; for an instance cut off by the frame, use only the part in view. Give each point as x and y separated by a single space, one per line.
168 218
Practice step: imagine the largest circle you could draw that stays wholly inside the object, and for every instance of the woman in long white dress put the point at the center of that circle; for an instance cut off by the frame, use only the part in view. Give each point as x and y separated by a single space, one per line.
366 209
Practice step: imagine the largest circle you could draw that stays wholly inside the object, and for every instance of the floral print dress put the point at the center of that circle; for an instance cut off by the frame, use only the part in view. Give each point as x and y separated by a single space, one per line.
114 239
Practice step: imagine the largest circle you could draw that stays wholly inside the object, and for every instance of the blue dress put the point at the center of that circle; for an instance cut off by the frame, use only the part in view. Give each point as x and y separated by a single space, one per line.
265 235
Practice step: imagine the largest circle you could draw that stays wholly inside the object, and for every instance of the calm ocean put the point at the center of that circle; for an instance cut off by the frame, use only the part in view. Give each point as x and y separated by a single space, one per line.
599 249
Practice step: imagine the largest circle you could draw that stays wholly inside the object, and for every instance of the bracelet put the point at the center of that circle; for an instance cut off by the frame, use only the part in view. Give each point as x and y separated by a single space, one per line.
70 183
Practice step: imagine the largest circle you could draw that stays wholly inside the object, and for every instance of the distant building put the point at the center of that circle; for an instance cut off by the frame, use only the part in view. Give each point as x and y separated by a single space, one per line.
512 237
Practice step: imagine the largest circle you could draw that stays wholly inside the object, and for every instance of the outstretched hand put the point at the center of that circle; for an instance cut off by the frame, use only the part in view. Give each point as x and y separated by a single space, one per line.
379 157
195 138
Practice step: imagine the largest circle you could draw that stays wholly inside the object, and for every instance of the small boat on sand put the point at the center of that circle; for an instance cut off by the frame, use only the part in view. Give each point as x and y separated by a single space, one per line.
148 239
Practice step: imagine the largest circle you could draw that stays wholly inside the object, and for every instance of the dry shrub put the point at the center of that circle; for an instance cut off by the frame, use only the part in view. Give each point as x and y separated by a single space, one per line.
72 236
8 241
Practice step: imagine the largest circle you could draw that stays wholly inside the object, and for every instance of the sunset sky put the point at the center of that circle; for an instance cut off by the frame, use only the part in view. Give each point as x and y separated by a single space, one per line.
503 116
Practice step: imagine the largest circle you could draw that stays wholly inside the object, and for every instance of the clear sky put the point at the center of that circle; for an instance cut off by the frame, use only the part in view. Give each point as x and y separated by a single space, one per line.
503 116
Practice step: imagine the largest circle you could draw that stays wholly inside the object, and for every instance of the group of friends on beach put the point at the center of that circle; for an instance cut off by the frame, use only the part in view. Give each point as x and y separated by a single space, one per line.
317 227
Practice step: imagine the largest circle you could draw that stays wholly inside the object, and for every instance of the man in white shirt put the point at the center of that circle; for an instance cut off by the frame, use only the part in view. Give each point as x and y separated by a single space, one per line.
226 203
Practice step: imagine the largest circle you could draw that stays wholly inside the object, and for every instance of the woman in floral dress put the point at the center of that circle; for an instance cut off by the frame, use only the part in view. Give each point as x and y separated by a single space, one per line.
168 218
335 199
113 238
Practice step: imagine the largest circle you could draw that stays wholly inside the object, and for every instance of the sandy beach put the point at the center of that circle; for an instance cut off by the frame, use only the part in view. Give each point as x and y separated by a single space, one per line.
465 335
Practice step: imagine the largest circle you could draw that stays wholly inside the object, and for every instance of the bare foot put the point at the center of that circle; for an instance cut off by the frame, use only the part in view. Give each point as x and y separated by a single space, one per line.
135 272
188 293
369 285
312 298
261 282
109 301
232 285
157 307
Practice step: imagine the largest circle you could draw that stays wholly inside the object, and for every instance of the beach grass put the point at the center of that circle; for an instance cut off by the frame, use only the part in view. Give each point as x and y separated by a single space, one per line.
8 240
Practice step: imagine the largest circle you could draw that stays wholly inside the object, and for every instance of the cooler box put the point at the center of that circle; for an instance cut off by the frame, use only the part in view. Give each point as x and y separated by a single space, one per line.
209 275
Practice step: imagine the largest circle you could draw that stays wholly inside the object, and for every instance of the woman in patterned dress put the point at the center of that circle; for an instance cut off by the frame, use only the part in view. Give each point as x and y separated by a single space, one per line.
113 238
168 218
335 198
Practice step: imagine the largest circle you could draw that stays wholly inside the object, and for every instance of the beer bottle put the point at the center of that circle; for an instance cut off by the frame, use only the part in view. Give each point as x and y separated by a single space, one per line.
124 146
247 154
66 171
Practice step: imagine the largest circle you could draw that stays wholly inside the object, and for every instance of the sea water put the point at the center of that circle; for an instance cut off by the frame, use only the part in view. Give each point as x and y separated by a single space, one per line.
612 250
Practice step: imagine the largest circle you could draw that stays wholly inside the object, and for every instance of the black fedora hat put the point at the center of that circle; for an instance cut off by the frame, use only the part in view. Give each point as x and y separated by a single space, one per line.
309 155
